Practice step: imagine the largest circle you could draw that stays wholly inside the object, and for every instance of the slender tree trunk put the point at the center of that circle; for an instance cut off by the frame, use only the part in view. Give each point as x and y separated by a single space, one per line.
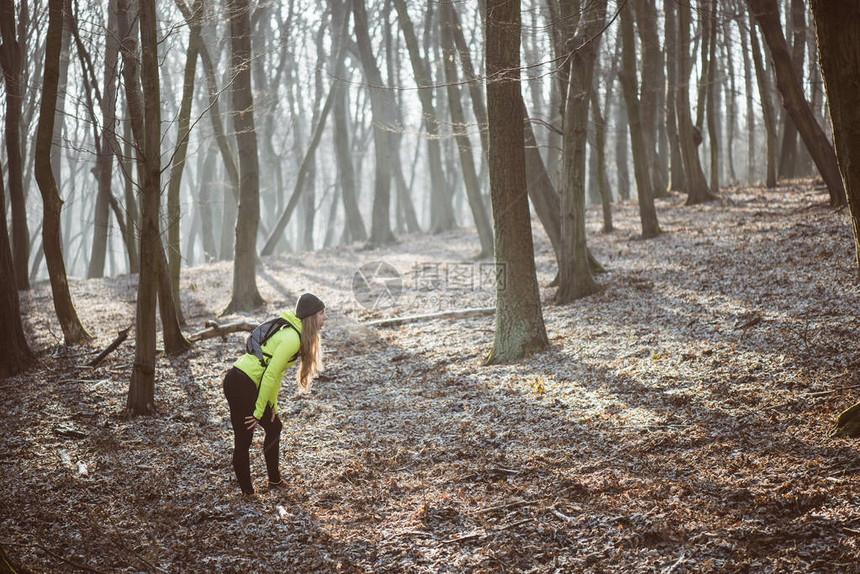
15 353
766 13
458 124
629 82
622 164
174 249
519 329
676 166
73 331
132 219
575 278
697 187
475 85
141 393
599 148
245 294
12 51
382 105
748 88
104 159
838 28
441 211
207 186
711 95
788 164
768 114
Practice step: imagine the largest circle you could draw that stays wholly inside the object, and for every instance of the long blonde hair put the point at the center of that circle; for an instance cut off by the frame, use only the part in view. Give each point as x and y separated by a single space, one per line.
310 352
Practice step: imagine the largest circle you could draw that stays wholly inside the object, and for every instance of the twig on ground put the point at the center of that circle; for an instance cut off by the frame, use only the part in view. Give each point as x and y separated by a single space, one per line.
123 335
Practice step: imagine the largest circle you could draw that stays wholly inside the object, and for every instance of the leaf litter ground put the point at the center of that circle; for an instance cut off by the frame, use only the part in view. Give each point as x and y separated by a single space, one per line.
680 421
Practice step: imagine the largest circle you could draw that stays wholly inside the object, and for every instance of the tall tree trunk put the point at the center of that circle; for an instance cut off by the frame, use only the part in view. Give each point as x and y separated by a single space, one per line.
104 159
652 69
382 104
458 124
748 88
768 114
207 186
766 13
132 215
519 329
12 52
141 392
629 83
838 29
15 353
788 152
599 148
697 187
676 166
575 278
174 250
73 330
441 211
622 164
711 95
245 294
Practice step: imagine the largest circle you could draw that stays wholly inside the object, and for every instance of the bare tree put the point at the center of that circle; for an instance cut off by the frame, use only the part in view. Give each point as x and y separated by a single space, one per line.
519 329
836 23
73 331
12 53
245 294
768 114
766 13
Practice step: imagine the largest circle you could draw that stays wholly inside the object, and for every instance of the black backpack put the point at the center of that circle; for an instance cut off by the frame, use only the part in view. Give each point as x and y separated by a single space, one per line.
264 331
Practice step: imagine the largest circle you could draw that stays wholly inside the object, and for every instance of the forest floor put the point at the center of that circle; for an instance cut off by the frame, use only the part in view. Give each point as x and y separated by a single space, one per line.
680 421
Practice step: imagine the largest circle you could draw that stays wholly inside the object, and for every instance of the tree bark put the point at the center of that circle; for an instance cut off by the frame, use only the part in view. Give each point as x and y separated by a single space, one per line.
441 211
788 164
15 353
12 52
104 158
246 297
838 28
697 187
768 114
519 328
629 82
381 103
141 393
73 331
676 166
766 13
711 96
458 124
575 278
174 250
599 148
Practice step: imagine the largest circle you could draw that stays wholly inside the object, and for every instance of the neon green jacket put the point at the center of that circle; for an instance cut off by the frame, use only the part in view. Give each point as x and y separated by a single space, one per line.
282 346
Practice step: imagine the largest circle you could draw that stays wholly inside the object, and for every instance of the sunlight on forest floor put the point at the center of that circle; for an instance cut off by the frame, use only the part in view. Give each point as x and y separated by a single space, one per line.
680 420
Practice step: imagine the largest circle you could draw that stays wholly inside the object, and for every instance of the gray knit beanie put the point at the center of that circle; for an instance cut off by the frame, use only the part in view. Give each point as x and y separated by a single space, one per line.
307 305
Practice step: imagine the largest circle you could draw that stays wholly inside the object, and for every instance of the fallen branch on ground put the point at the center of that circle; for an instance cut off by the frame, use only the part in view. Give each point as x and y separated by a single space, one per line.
216 330
458 314
123 335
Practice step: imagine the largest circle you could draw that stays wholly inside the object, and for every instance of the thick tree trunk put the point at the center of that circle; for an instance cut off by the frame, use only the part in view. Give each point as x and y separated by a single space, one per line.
519 329
382 105
141 393
12 62
245 294
73 330
694 178
766 13
464 146
676 166
838 28
768 114
575 278
629 82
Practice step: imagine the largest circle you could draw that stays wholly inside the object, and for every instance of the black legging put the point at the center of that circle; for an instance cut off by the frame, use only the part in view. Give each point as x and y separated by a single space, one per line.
241 393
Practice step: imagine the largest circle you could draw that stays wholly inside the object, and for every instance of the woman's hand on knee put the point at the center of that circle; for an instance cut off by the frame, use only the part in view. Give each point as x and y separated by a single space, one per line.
251 423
